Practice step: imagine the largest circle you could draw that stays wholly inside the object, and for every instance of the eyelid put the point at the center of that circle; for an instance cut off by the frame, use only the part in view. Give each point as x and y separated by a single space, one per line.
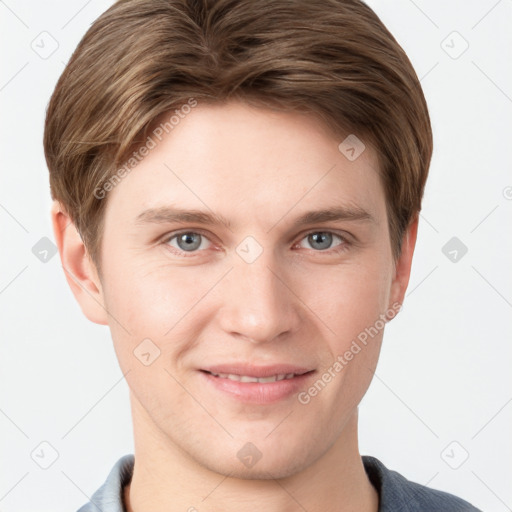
174 234
341 234
345 239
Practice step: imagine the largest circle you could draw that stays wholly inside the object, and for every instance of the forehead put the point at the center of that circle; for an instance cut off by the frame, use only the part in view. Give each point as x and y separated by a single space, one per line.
237 160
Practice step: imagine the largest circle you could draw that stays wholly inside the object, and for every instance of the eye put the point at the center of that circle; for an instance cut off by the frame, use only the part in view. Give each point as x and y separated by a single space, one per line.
188 241
323 240
193 241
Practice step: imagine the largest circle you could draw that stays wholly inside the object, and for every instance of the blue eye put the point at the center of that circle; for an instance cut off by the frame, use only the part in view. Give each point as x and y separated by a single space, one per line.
188 241
322 240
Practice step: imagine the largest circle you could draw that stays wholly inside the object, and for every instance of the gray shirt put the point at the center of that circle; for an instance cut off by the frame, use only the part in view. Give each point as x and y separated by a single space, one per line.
396 493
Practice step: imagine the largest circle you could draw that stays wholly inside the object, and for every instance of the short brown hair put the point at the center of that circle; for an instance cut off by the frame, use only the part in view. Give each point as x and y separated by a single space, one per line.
331 58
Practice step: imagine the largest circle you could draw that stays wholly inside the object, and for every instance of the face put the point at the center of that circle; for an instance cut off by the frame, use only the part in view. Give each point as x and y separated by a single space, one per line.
229 320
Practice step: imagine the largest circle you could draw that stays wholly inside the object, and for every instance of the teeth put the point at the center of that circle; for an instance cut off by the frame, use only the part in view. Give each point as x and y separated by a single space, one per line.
247 378
244 378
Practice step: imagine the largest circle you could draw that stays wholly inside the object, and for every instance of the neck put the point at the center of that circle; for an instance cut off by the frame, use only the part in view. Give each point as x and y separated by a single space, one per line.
166 479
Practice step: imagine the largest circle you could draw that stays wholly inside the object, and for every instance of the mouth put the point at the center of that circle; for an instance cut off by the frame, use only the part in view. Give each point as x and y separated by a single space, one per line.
257 385
249 378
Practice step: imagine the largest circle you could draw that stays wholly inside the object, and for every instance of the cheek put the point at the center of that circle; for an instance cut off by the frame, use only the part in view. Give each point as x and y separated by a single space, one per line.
151 325
356 302
154 297
155 302
350 299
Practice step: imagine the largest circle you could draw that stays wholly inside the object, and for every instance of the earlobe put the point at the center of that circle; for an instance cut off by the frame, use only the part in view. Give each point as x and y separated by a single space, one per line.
78 268
403 265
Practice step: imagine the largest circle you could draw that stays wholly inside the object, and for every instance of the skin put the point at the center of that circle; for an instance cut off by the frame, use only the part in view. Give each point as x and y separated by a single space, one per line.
296 303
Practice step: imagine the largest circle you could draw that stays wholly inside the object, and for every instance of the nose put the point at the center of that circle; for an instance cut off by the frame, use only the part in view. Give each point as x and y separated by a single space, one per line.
258 303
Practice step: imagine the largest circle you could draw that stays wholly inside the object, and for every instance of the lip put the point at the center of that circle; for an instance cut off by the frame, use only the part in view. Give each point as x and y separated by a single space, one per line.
257 392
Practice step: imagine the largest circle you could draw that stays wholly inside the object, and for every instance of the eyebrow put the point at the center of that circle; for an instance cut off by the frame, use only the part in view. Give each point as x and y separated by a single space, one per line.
333 214
168 214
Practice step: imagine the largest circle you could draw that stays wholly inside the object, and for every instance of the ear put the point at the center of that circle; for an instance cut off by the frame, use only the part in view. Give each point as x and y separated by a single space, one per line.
403 264
79 270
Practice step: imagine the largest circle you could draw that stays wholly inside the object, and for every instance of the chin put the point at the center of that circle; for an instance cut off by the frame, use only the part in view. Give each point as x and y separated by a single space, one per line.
260 471
274 465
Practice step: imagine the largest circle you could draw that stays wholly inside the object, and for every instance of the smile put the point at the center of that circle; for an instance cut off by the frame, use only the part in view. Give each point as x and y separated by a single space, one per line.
256 385
248 378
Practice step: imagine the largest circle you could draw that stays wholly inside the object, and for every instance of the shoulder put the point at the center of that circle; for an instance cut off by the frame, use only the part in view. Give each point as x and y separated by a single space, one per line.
396 493
109 497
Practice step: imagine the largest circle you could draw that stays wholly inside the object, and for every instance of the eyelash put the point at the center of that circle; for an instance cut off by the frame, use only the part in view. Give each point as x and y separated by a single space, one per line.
341 247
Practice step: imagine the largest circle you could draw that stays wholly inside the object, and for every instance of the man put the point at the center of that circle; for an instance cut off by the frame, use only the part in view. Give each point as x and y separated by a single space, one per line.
237 187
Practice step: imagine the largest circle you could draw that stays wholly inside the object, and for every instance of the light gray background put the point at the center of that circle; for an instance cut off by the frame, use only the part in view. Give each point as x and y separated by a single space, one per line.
442 388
